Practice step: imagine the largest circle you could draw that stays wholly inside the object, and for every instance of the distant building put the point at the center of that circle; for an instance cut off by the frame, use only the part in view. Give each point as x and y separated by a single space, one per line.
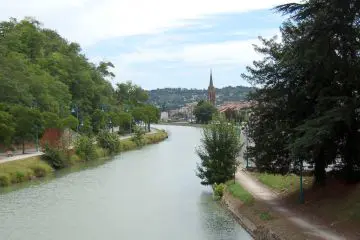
211 91
164 116
234 106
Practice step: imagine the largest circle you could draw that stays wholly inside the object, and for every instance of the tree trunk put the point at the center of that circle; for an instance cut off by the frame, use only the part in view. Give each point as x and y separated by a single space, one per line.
23 146
320 165
349 156
148 126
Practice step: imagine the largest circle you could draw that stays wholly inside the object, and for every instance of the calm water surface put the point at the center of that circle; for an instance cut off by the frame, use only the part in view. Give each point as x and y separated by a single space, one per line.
150 194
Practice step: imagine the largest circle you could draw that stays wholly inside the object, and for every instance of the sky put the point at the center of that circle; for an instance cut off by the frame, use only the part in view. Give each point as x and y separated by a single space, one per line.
161 43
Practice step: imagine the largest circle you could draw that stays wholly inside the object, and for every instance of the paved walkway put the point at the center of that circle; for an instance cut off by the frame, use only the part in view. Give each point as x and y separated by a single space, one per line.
262 193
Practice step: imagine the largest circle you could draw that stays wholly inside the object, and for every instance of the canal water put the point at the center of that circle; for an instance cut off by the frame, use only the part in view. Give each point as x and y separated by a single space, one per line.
150 194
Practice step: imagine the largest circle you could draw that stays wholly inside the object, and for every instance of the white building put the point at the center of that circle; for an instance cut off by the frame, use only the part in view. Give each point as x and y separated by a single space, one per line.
164 116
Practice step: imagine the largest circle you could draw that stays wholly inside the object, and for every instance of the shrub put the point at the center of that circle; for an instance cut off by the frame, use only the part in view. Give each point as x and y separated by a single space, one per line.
109 141
126 145
74 159
4 180
41 169
55 157
85 148
101 152
138 137
219 190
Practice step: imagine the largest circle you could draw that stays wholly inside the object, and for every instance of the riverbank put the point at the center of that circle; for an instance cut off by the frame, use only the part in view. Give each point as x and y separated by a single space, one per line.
27 169
257 218
183 124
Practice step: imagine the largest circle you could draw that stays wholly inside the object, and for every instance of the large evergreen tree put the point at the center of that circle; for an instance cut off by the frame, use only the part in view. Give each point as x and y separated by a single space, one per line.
309 97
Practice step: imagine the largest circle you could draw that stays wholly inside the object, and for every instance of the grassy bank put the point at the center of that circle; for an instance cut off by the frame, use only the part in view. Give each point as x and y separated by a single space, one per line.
21 171
257 217
237 191
183 124
283 184
30 168
320 200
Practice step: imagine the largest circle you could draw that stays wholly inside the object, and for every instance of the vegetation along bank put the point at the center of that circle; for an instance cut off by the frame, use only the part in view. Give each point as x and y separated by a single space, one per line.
56 158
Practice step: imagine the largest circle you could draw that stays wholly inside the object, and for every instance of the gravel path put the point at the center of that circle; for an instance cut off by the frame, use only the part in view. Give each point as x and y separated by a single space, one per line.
262 193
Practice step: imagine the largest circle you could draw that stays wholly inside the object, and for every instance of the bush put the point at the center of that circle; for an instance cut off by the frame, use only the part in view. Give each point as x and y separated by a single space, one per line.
126 145
74 159
101 152
55 157
41 169
138 137
109 141
85 148
4 180
219 190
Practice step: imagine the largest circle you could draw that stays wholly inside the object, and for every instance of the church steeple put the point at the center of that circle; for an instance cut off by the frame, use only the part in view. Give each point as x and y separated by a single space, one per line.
211 90
211 80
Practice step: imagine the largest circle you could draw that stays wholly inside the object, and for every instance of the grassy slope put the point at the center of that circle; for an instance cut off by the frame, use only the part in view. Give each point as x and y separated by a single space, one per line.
21 171
286 184
239 192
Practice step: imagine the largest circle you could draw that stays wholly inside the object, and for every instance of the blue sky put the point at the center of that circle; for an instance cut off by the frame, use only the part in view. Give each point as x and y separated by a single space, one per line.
161 43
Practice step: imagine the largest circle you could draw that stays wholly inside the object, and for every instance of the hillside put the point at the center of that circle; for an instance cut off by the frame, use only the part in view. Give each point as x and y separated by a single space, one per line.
172 98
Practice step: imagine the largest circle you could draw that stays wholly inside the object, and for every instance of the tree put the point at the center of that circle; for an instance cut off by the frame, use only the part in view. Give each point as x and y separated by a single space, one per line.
218 152
307 106
7 128
204 112
28 123
121 119
130 94
147 114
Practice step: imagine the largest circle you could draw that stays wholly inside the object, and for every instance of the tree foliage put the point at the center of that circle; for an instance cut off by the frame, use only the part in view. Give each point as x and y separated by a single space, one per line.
307 106
204 112
220 146
46 82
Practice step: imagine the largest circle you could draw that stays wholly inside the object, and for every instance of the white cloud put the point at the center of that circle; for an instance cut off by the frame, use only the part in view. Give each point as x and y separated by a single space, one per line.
237 52
89 21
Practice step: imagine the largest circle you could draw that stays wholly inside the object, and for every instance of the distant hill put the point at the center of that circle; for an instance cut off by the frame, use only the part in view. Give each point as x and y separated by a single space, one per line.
172 98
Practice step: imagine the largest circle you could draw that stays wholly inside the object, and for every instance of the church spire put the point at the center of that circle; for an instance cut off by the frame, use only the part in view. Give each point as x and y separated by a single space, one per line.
211 80
211 90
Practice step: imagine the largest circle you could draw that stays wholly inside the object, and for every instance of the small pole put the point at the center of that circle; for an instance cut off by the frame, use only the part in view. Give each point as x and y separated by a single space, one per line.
37 140
301 199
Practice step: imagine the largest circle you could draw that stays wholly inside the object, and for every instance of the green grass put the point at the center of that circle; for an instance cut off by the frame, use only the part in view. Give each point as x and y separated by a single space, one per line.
128 144
155 137
23 170
287 183
239 192
265 216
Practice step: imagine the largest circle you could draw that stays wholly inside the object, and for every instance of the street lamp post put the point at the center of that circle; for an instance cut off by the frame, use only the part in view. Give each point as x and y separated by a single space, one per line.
301 197
37 139
247 143
76 110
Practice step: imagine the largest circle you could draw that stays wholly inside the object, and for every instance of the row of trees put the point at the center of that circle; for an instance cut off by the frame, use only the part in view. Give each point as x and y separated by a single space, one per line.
47 82
308 97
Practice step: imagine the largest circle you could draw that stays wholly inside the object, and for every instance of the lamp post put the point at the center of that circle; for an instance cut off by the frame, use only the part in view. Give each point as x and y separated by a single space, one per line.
76 110
247 143
301 197
37 139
